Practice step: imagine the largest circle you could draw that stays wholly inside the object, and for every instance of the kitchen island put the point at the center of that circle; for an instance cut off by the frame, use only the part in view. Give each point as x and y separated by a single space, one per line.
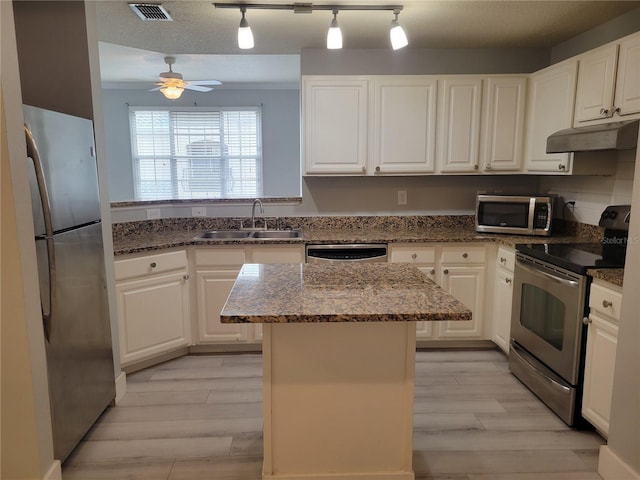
338 364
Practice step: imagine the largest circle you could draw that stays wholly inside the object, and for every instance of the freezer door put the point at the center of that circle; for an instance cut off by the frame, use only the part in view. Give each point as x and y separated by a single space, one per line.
66 147
79 353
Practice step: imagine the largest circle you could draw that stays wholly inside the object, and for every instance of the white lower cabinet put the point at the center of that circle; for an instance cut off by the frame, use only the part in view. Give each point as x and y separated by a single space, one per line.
602 340
503 298
216 271
460 270
153 306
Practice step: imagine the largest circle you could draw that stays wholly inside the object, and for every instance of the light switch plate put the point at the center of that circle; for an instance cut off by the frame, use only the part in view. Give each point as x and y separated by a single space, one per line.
153 213
198 211
402 197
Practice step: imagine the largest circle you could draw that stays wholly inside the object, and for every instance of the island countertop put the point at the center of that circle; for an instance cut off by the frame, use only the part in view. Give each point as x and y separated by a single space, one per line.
308 292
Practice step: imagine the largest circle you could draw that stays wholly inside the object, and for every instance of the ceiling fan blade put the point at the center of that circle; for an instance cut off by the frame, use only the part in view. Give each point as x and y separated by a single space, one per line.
198 88
154 89
204 82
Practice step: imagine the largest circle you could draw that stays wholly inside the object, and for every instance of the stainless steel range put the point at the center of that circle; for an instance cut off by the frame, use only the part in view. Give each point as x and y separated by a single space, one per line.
549 305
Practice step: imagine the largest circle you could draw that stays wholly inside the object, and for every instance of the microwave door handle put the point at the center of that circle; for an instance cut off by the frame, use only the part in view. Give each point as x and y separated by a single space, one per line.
532 211
32 152
532 268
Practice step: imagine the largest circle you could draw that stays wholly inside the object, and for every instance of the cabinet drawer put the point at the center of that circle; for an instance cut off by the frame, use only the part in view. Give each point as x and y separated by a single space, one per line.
463 254
220 256
506 258
605 301
413 254
150 264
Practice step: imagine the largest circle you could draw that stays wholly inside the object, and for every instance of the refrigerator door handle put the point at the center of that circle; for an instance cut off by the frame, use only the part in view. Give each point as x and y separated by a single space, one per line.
32 152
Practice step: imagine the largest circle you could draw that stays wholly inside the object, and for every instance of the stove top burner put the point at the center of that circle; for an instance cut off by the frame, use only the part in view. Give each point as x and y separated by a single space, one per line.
575 257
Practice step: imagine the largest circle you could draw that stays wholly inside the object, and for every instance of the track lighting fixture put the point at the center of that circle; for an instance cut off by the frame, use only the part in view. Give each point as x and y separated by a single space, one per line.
245 36
334 35
397 35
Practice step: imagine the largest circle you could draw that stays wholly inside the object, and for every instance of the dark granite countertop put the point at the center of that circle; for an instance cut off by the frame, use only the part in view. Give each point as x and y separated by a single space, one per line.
302 293
613 276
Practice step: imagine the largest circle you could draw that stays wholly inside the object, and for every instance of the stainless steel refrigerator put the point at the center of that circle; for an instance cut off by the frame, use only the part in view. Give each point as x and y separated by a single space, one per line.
75 312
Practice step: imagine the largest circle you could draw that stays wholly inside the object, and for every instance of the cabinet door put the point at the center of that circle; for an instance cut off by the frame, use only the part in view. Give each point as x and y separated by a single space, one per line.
335 116
602 339
596 81
466 284
153 316
504 123
550 108
502 302
214 287
628 82
404 122
459 124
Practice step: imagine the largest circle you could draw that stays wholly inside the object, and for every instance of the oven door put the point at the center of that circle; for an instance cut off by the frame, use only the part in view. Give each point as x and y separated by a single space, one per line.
546 319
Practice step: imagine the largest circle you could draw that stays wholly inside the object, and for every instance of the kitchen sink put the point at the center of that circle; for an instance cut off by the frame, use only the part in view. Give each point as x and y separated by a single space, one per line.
224 234
248 234
277 234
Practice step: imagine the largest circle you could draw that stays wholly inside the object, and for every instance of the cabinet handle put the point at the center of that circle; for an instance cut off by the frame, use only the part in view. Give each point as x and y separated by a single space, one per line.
185 277
616 110
414 255
475 167
604 112
508 280
432 271
377 168
465 255
364 169
561 167
153 265
503 260
606 303
445 271
586 320
487 166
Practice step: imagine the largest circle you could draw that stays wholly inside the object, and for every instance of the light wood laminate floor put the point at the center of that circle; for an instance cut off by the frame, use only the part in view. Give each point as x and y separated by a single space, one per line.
200 417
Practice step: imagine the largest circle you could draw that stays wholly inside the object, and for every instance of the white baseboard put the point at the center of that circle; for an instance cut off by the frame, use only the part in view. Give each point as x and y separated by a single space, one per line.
55 471
612 467
121 386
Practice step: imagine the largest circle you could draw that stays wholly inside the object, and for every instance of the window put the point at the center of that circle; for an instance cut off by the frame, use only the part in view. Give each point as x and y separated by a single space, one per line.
196 153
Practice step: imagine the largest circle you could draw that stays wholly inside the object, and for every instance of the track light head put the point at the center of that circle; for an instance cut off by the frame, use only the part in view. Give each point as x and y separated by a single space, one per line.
245 36
334 36
397 34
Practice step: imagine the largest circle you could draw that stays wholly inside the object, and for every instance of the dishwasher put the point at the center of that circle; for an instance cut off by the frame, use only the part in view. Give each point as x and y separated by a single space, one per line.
349 252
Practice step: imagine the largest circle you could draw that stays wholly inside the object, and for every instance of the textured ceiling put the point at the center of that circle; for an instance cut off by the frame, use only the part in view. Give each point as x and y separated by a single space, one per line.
201 29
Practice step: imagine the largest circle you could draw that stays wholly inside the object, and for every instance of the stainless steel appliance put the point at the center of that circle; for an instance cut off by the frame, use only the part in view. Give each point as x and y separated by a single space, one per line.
516 214
549 305
66 212
606 136
359 252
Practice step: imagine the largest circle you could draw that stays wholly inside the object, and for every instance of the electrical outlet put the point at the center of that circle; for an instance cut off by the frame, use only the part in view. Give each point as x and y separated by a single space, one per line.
402 197
153 213
198 211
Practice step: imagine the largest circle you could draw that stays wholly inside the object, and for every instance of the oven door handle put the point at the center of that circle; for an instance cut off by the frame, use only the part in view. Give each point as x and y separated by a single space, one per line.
532 267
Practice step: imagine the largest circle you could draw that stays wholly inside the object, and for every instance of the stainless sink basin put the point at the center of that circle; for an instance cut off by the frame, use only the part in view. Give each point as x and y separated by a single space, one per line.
277 234
248 234
225 234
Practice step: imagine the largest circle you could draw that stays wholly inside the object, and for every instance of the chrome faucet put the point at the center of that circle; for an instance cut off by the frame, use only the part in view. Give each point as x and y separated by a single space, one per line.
253 212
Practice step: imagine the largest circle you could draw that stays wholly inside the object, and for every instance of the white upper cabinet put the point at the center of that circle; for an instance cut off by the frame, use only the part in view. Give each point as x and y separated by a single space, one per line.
609 83
627 98
459 124
335 114
596 81
503 123
549 109
404 124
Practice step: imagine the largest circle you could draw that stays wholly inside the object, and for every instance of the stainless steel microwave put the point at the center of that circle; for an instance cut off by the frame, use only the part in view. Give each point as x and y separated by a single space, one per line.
516 214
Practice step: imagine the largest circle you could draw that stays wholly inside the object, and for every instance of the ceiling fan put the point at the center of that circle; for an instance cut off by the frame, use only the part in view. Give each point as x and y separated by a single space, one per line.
172 85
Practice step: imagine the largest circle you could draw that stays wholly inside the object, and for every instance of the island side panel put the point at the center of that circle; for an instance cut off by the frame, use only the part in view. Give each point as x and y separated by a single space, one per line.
338 399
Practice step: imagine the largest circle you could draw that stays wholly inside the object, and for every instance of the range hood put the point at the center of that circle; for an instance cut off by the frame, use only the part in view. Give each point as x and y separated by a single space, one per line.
606 136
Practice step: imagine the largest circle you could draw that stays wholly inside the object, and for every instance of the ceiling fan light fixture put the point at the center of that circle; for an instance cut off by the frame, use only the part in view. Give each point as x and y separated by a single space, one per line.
245 36
172 92
334 35
397 34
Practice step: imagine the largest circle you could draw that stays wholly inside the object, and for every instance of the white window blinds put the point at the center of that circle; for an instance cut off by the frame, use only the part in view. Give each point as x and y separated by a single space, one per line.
196 153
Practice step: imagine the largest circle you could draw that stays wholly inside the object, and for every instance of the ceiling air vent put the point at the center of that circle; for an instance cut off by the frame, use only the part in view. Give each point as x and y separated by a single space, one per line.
151 11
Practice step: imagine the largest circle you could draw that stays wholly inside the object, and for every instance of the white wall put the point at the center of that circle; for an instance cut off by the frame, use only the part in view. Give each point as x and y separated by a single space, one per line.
593 193
280 133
